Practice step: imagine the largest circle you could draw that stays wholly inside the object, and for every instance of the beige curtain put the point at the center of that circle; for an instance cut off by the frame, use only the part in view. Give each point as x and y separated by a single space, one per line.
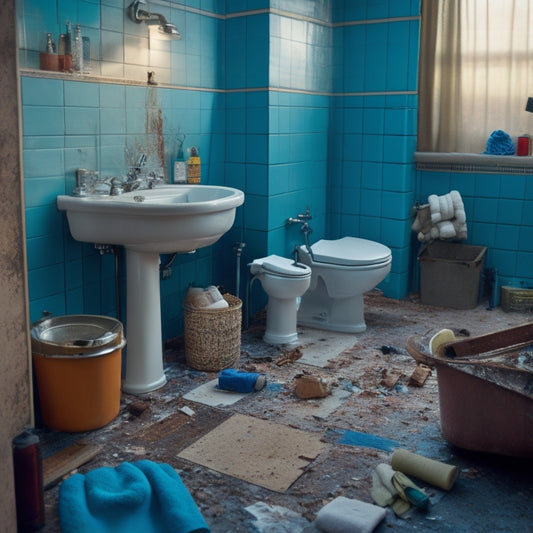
475 72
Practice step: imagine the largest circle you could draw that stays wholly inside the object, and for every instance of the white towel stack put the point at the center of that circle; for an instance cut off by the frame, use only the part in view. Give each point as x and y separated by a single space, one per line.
442 218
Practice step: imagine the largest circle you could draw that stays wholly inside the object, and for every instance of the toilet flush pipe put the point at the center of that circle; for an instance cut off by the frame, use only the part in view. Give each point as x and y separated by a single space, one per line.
248 302
238 246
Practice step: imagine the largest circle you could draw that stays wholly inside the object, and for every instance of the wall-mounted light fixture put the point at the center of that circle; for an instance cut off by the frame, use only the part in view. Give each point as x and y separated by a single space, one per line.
138 14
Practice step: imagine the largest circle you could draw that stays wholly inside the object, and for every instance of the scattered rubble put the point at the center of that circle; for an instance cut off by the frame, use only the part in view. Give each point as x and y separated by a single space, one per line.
419 375
311 387
376 406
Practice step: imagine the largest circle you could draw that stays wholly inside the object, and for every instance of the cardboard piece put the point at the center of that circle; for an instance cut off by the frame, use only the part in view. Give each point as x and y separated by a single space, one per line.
257 451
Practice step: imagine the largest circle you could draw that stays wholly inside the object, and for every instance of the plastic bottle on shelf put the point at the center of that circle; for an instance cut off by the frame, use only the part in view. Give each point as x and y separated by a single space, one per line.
179 167
193 167
77 51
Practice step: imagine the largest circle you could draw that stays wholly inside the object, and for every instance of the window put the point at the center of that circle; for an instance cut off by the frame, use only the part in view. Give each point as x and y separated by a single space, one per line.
476 72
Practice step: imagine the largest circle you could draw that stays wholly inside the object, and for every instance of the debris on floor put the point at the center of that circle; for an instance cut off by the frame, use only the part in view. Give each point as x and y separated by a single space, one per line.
258 451
66 460
231 379
356 438
311 387
345 514
390 377
270 461
419 375
275 518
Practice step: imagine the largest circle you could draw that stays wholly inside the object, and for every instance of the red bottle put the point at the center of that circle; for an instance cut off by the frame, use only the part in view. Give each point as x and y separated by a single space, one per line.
28 471
524 145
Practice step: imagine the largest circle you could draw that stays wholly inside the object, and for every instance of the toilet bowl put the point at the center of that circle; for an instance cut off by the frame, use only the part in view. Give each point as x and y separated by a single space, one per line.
284 281
342 271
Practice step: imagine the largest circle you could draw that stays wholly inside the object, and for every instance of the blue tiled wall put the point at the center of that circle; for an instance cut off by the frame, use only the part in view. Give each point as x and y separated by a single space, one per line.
279 122
70 125
297 102
371 182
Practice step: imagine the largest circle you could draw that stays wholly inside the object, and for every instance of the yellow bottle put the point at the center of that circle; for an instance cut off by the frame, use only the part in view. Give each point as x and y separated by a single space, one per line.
193 167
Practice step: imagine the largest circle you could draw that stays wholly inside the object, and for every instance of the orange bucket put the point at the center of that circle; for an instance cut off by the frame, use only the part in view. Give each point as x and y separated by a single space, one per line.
77 363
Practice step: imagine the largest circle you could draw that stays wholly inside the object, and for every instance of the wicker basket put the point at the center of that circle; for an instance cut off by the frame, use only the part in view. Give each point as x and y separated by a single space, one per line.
213 336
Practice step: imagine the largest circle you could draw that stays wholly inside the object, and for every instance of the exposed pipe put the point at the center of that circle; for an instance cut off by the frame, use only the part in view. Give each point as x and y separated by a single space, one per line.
111 249
238 246
303 219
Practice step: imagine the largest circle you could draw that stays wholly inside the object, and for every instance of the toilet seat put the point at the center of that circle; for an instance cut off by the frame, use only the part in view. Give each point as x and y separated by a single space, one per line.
349 251
279 266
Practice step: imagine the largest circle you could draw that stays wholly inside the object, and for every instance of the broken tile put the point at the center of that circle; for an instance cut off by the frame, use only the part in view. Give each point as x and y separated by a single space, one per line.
355 438
210 394
318 346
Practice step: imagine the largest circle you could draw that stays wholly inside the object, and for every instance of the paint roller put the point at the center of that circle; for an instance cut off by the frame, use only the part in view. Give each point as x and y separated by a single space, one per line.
434 472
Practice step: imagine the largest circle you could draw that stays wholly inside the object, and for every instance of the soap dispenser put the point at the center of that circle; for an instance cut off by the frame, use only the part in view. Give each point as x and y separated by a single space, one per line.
179 167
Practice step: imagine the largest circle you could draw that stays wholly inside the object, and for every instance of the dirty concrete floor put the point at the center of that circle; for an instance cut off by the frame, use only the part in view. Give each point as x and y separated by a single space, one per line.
492 493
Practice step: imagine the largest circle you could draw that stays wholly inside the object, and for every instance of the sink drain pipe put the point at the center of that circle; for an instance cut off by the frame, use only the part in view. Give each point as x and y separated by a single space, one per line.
111 249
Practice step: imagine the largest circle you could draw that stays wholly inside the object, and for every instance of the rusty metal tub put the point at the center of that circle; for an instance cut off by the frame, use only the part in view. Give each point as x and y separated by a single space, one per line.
485 390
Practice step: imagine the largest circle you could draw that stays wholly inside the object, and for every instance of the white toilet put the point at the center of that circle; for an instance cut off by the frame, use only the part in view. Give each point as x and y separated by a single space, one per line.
284 281
342 271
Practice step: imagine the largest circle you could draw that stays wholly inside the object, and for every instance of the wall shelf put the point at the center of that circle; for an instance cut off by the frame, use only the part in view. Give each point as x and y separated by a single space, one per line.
474 163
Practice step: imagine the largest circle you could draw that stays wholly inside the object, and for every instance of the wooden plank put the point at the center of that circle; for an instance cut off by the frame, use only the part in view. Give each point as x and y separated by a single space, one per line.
66 460
493 342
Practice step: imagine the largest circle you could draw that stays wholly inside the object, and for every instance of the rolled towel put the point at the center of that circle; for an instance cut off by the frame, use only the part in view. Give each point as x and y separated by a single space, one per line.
390 487
446 207
456 200
461 231
434 472
345 515
383 491
434 206
460 216
446 230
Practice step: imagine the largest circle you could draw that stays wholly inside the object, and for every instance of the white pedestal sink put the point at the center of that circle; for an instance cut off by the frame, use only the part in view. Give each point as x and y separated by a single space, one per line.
168 219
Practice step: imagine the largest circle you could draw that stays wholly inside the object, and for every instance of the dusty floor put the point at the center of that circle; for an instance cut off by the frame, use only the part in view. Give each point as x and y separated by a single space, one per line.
492 493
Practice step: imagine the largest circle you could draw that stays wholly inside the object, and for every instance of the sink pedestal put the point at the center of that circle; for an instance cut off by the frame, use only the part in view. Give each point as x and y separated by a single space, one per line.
144 354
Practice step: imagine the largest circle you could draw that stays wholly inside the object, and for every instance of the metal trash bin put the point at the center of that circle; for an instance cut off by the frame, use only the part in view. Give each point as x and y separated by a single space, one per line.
77 361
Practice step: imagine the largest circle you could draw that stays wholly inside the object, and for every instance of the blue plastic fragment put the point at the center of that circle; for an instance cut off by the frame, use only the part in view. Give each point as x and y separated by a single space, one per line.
365 440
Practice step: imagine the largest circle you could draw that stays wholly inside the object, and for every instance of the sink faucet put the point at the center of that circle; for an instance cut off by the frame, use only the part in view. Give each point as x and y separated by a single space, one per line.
134 173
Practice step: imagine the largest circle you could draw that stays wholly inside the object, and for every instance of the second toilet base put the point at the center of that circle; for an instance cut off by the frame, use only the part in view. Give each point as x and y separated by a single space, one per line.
273 338
281 321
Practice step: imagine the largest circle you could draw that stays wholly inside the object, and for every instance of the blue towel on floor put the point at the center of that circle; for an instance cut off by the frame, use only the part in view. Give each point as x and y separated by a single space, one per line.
142 496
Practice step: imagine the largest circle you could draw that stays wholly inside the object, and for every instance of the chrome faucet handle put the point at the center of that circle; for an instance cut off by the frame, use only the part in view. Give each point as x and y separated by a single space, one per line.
141 161
117 186
306 215
301 218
